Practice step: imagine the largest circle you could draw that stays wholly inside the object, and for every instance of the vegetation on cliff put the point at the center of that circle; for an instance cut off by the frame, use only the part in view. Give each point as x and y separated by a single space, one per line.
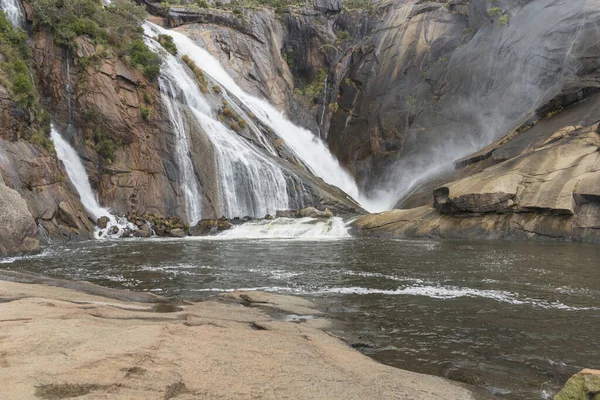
16 77
117 27
14 59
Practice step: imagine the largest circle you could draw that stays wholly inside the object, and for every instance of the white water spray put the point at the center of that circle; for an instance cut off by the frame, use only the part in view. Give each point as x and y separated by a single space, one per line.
13 11
249 183
290 228
189 184
309 148
79 179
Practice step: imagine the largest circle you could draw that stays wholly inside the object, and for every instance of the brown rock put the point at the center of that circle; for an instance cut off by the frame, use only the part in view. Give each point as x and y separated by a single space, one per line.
178 233
311 212
103 222
18 230
124 341
204 227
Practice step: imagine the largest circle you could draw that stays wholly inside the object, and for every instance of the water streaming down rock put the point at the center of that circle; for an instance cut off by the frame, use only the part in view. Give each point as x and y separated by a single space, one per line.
13 11
309 148
78 176
249 183
189 183
290 228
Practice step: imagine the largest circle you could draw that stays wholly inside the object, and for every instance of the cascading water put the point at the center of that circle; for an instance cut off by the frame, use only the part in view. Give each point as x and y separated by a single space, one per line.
189 184
249 183
309 148
288 228
13 11
79 179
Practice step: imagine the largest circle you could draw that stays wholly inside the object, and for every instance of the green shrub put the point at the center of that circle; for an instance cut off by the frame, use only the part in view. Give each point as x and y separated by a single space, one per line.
144 59
145 113
14 72
492 12
343 36
105 147
200 77
166 41
117 26
503 20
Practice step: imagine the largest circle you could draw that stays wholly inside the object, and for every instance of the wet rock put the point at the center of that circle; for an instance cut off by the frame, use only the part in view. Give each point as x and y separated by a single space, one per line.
547 190
178 233
143 232
582 386
103 222
67 214
311 212
127 233
224 225
269 217
18 231
204 227
286 214
114 230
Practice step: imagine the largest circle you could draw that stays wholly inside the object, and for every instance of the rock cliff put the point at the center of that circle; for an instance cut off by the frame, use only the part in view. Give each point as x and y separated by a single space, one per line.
542 182
117 120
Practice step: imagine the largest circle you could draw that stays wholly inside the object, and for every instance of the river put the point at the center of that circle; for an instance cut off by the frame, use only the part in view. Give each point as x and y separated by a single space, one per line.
514 318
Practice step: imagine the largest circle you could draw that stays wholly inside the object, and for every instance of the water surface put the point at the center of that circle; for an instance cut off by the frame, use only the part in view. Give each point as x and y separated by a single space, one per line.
514 318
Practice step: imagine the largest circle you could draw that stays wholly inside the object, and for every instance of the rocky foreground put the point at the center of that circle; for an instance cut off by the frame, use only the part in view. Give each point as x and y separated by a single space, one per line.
58 342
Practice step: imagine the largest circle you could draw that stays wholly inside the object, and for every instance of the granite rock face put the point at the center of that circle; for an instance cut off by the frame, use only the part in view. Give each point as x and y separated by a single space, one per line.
540 183
407 86
18 232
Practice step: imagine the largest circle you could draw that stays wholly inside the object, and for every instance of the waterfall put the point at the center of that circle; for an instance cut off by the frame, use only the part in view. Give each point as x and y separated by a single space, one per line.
309 148
189 184
325 105
249 182
13 11
288 228
78 176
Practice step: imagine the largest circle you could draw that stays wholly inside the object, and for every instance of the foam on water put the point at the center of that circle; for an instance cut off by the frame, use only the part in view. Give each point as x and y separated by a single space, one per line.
78 177
290 228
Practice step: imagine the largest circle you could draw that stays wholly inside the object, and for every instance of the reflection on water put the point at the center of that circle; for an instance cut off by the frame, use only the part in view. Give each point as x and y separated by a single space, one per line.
515 318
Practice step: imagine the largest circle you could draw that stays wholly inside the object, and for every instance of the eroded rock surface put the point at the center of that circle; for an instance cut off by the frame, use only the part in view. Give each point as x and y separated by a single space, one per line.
18 232
62 343
539 183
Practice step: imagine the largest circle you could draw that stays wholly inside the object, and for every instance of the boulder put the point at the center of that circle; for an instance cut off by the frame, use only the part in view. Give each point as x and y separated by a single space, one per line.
178 233
204 227
18 230
582 386
224 225
143 232
286 214
311 212
103 222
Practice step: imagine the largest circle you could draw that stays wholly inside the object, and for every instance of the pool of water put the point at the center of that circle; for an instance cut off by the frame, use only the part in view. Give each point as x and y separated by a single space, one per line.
516 319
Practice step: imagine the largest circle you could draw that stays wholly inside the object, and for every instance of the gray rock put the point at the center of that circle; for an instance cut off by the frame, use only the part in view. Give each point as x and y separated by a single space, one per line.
328 6
18 230
178 233
204 227
286 214
103 222
311 212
